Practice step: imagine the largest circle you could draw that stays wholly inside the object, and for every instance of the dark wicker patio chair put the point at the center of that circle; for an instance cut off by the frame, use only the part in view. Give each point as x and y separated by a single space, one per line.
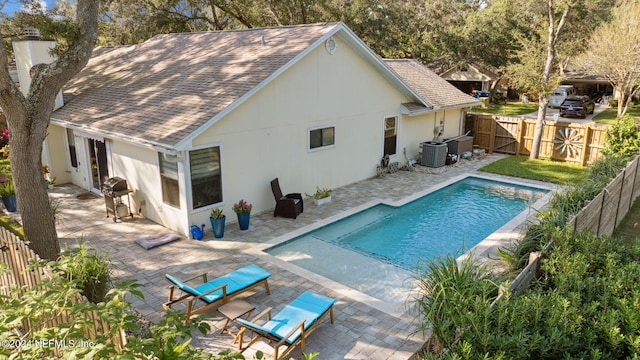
286 206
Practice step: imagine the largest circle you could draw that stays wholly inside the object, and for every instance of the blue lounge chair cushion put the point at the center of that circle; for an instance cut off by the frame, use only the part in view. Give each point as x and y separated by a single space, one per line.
308 307
181 284
235 281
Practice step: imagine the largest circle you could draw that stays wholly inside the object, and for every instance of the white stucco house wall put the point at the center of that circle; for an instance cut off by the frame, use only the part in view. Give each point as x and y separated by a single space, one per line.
197 121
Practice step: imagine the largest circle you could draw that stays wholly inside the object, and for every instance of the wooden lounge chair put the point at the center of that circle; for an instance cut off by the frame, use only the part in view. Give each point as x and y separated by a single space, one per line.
291 325
216 291
289 205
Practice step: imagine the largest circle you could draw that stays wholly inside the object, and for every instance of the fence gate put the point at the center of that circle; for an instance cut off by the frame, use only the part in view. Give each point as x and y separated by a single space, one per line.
562 141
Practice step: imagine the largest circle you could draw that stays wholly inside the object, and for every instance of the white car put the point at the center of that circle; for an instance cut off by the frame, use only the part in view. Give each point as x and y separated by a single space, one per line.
559 94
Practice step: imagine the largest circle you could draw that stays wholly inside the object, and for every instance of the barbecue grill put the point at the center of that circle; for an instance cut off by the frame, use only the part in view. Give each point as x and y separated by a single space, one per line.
114 189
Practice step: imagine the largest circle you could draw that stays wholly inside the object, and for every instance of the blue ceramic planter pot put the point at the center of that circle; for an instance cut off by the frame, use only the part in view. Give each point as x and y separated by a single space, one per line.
218 226
243 220
10 202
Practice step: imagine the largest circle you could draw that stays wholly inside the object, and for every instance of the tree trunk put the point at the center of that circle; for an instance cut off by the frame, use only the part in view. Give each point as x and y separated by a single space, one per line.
28 120
543 101
33 200
621 100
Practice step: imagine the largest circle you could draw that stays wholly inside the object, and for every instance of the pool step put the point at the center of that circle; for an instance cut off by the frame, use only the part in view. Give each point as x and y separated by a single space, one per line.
356 223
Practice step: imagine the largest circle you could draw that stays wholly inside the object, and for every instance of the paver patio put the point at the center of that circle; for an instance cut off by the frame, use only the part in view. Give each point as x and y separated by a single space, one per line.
360 331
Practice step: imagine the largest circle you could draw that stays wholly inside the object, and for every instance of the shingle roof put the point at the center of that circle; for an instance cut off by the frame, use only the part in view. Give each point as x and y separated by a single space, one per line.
165 88
431 87
168 88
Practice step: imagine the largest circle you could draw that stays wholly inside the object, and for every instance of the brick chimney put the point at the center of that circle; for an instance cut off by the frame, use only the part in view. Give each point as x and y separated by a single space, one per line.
30 51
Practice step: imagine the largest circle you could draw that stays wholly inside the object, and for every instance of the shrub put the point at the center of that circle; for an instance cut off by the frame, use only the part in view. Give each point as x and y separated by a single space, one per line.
453 297
170 337
91 269
562 206
613 103
585 305
497 97
623 137
4 137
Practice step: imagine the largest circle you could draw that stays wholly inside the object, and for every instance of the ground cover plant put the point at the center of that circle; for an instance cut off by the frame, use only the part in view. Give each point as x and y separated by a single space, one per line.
510 108
562 206
585 305
537 169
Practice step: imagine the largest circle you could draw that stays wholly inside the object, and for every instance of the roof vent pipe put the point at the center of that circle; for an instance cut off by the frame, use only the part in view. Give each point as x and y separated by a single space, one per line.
31 34
262 42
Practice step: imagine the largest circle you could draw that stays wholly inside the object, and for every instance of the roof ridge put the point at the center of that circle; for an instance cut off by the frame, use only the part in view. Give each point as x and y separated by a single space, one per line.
332 23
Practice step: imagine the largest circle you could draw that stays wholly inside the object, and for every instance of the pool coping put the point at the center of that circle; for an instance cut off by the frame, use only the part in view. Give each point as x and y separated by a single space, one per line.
503 236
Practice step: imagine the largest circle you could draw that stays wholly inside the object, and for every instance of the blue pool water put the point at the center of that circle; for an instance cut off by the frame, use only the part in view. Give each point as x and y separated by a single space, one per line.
450 220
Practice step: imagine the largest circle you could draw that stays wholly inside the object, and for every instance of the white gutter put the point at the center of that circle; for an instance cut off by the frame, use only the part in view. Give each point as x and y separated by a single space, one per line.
159 147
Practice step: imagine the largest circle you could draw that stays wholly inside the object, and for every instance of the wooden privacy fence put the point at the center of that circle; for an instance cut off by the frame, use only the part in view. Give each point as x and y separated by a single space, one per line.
600 217
17 255
562 141
605 212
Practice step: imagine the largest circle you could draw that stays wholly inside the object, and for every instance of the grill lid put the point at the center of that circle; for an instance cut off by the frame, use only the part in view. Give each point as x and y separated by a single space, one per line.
114 184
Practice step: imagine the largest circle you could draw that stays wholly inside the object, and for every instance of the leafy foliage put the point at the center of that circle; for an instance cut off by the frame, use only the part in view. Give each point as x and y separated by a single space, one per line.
623 137
562 206
585 305
170 338
90 268
320 193
613 50
453 297
216 213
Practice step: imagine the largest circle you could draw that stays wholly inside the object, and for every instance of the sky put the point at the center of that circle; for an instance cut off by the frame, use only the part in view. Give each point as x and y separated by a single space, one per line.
14 5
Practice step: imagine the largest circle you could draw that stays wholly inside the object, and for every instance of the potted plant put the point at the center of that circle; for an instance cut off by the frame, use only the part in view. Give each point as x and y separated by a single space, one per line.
52 181
321 196
48 179
243 211
217 219
8 194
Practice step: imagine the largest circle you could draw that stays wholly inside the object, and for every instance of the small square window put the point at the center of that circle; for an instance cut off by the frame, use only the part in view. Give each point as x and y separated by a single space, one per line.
322 137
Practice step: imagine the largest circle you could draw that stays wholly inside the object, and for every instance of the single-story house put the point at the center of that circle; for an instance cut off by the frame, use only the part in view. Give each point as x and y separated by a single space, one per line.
196 121
471 76
586 82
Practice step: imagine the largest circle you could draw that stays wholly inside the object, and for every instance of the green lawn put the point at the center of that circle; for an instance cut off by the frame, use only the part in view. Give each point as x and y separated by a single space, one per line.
542 170
512 108
609 116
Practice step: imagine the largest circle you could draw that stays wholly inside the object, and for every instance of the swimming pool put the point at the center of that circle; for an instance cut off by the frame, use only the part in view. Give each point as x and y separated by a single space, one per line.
390 241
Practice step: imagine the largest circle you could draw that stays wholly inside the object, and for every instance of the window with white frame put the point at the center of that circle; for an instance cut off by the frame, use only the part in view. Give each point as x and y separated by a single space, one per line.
323 137
169 180
73 156
206 176
390 135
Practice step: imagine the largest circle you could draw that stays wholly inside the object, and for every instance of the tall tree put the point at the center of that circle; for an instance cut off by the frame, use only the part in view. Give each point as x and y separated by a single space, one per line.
614 52
28 118
548 33
554 30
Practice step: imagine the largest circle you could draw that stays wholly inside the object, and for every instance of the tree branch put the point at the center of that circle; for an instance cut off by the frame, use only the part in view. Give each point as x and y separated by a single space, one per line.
10 95
52 77
237 16
562 22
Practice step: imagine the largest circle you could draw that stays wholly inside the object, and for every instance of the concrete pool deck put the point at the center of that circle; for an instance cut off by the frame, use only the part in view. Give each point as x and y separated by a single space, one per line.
361 330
